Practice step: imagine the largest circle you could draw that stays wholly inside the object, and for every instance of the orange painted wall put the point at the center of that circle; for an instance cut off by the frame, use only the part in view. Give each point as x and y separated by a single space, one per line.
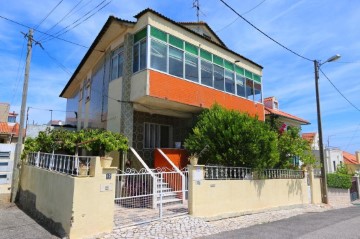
174 89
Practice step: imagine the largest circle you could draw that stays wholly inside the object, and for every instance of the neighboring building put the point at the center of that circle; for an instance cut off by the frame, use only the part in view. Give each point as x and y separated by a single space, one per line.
352 162
9 129
56 123
150 78
333 158
273 112
313 139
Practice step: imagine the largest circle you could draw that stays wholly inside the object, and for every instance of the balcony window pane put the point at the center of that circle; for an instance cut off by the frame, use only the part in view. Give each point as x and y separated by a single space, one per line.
206 73
191 68
142 55
249 89
229 82
158 56
136 58
257 90
218 77
240 85
176 62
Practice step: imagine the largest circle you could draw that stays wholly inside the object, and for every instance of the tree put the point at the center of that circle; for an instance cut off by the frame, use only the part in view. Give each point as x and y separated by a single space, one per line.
291 145
233 139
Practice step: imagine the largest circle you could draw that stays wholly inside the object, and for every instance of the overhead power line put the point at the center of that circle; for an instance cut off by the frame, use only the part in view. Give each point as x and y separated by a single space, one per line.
63 18
244 13
23 25
272 39
52 10
339 91
80 20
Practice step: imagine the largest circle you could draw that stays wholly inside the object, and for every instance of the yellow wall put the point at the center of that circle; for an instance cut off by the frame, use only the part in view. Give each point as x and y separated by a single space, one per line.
317 191
218 198
78 204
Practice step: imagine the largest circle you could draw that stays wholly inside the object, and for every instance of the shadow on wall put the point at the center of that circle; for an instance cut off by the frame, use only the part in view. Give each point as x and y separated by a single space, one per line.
259 185
27 203
295 187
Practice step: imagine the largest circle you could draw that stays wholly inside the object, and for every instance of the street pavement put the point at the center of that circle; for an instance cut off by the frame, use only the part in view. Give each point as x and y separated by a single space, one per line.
338 223
15 224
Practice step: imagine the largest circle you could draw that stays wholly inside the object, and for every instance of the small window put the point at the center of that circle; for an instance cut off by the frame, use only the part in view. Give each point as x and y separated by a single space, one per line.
191 68
176 62
117 63
142 55
218 77
2 175
136 58
158 56
88 89
229 82
206 73
4 164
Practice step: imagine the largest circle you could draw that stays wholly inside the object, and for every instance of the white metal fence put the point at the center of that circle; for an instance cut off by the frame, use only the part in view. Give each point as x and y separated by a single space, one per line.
66 164
142 196
242 173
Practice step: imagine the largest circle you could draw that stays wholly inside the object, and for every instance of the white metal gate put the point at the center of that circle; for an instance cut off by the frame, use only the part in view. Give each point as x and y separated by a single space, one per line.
143 196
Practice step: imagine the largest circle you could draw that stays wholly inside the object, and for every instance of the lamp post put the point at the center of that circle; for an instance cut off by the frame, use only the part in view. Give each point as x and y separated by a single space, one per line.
317 65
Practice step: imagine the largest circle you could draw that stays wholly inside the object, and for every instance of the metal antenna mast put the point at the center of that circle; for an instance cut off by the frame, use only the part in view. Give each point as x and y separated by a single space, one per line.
196 4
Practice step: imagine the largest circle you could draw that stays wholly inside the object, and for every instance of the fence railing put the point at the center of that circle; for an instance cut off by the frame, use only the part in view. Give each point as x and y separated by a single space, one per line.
66 164
317 172
242 173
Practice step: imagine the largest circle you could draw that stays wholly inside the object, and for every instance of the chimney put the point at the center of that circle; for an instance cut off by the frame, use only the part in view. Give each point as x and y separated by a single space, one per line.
357 153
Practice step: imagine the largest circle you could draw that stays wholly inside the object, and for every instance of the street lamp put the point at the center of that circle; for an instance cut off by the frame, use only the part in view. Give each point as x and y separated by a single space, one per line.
317 65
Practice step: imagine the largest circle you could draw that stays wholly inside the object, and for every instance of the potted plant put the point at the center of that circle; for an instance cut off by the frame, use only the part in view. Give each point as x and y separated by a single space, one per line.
102 142
193 159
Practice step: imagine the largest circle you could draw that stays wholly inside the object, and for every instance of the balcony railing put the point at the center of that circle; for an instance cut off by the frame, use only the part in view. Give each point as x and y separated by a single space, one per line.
66 164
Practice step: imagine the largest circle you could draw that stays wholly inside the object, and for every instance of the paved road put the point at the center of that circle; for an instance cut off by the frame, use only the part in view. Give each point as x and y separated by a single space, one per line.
15 224
340 223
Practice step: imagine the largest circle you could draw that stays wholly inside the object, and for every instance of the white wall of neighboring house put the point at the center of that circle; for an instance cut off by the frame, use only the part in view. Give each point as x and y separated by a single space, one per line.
7 154
334 158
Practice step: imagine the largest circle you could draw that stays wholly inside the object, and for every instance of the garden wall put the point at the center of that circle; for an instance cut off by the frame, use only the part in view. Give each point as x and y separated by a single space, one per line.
224 198
69 206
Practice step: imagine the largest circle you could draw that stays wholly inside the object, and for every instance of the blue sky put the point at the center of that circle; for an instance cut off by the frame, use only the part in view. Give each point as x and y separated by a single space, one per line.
315 29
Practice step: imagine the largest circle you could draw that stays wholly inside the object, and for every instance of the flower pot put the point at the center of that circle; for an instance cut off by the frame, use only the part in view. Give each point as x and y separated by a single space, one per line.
193 160
106 162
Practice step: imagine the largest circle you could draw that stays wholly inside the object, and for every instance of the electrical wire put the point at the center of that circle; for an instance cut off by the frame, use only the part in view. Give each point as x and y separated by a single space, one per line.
339 91
62 19
272 39
56 61
244 13
52 10
23 25
77 23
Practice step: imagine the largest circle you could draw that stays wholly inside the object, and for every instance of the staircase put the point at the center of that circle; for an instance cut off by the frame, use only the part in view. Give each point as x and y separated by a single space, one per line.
169 197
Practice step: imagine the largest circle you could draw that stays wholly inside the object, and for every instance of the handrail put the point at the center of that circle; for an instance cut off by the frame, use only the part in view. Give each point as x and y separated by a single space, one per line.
169 161
142 161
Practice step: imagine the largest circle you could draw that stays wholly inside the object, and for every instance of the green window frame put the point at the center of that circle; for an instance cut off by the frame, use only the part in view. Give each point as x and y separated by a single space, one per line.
140 35
190 48
205 55
175 41
158 34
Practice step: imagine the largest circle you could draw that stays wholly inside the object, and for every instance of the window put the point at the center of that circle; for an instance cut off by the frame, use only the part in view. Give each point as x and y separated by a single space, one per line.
4 164
2 175
117 63
191 67
334 164
139 56
229 82
88 89
257 92
176 62
240 85
158 56
249 89
157 136
11 119
206 73
218 77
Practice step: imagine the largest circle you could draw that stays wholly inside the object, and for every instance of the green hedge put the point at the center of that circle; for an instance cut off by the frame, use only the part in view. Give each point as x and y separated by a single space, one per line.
335 180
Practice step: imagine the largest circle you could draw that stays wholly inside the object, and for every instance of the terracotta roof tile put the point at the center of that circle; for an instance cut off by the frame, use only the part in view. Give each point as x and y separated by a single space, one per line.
8 128
4 128
309 137
269 111
349 158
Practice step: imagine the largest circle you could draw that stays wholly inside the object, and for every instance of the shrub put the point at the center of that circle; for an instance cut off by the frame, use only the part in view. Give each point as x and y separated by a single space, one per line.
336 180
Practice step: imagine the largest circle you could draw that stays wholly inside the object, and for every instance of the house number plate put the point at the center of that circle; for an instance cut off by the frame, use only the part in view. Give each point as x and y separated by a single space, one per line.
108 176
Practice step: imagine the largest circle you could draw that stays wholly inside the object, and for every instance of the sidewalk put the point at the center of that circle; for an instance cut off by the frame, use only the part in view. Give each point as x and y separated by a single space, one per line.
15 224
191 227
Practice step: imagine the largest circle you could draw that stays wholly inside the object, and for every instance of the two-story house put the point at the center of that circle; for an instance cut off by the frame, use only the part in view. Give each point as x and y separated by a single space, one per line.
148 79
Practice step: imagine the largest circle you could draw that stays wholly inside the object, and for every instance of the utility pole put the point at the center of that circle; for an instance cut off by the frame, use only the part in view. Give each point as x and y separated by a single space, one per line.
17 160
